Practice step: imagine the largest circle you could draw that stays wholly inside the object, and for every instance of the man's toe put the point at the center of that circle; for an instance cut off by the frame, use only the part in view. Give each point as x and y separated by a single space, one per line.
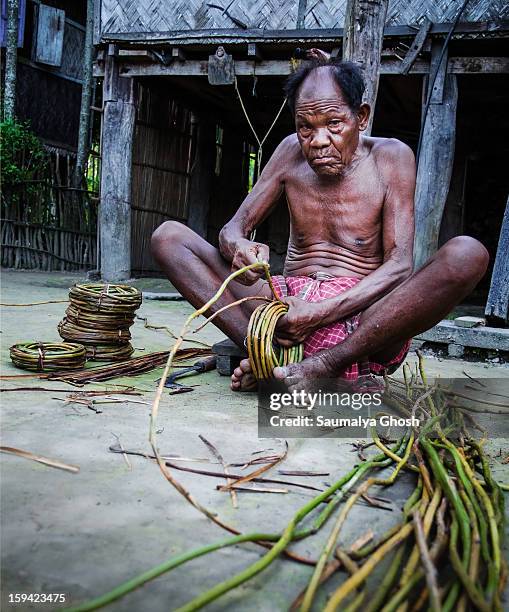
245 366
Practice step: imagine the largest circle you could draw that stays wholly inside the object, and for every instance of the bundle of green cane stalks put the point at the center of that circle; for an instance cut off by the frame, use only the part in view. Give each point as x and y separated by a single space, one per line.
443 554
99 316
48 356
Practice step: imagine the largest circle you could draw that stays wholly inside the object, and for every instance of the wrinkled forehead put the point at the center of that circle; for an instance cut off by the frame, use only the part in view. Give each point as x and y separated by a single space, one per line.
319 85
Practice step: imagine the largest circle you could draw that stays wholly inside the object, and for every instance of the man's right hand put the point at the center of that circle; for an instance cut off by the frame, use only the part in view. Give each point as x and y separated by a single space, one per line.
248 252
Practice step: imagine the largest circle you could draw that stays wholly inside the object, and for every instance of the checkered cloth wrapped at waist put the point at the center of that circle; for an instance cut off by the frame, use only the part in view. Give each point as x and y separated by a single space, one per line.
316 288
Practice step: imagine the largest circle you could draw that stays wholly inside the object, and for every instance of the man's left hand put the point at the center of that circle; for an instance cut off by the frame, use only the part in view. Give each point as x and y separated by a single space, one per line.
301 319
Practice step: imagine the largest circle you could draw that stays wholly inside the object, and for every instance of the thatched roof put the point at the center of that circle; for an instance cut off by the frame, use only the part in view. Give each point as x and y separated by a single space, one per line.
181 16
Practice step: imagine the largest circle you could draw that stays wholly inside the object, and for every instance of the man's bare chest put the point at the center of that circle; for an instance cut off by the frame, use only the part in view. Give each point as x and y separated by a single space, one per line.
353 202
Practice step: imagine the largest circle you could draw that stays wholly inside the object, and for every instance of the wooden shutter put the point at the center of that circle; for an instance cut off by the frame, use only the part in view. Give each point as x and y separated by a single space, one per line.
50 35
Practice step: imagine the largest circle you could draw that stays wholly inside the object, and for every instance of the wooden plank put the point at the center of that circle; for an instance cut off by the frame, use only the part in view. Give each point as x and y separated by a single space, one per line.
497 305
416 46
135 54
362 44
97 21
434 170
447 332
296 35
478 65
116 172
50 35
437 94
456 65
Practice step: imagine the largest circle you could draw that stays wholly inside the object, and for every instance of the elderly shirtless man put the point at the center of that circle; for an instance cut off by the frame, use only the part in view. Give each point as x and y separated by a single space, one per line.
353 298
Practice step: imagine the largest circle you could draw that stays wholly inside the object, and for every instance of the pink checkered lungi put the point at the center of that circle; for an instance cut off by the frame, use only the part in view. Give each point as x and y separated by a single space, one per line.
321 287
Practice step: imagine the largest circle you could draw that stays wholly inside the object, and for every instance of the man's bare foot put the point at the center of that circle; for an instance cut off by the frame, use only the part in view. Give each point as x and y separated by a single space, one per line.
243 378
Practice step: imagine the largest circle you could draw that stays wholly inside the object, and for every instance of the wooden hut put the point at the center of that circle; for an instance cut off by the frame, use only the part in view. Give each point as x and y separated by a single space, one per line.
176 140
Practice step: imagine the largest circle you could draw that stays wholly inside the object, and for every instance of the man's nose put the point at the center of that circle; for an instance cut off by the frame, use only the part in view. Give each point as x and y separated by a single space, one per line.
320 138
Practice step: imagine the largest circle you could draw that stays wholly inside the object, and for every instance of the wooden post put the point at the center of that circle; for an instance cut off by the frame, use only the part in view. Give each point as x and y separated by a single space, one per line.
201 177
11 58
362 43
116 158
435 161
497 307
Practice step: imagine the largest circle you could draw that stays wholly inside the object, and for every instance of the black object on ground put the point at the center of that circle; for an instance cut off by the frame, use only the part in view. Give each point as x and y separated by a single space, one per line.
229 356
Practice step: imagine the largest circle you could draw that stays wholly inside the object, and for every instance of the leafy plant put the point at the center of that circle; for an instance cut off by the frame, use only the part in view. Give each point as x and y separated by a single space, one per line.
22 157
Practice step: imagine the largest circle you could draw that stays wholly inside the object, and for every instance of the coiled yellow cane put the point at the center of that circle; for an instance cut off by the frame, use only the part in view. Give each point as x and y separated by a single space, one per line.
263 351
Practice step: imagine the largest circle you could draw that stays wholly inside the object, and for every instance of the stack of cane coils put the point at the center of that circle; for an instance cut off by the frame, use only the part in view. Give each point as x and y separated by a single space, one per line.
99 317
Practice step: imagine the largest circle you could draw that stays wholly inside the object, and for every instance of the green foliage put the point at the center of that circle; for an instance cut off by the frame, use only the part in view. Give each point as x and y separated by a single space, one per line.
22 157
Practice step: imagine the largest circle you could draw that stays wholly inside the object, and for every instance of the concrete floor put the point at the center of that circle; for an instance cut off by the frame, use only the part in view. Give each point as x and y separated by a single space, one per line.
83 534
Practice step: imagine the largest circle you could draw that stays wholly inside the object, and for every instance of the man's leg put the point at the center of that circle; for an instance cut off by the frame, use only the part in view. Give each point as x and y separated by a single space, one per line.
197 270
416 305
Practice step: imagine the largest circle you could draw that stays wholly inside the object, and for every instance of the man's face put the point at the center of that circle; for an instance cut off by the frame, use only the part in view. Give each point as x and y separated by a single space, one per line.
327 129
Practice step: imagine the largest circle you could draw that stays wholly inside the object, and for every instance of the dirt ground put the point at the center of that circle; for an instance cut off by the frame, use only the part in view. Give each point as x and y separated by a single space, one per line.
83 534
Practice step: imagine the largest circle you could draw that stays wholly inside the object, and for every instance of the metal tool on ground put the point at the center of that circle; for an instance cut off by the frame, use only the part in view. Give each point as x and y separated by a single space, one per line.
204 365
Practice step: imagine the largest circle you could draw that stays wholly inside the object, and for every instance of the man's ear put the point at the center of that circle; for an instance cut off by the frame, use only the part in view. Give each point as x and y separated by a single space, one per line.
363 116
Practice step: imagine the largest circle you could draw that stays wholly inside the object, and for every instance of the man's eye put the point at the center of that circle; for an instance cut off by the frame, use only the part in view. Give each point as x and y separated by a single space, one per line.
334 123
304 128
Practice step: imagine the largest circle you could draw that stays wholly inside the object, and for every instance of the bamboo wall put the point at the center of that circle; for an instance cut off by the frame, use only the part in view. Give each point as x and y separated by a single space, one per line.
162 158
52 227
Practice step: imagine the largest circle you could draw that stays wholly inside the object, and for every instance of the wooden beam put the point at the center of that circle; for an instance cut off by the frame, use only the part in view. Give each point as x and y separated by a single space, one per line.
497 306
49 70
116 166
416 46
478 65
362 44
298 35
435 161
456 65
136 54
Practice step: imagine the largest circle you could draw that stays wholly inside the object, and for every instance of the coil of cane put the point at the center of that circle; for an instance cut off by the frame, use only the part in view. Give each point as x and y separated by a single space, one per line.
48 356
264 353
85 318
86 335
109 298
107 352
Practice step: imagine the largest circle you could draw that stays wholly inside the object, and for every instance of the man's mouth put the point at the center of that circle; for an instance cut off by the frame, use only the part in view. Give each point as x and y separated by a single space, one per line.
325 161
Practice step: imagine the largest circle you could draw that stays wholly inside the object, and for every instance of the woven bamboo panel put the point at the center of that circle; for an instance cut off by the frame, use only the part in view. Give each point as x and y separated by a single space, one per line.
119 16
162 157
72 57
